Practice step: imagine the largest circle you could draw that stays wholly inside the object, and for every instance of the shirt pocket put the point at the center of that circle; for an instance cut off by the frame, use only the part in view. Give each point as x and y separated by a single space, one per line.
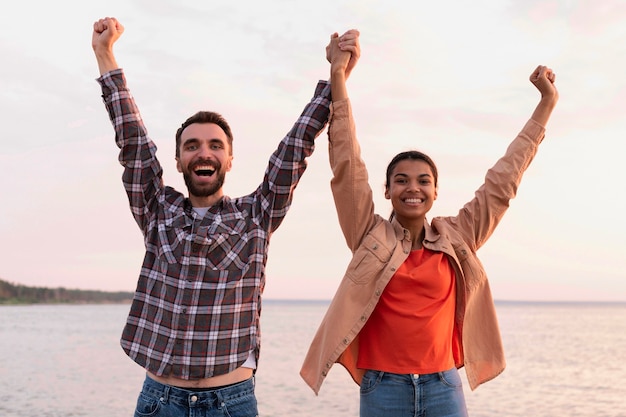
171 235
225 246
473 270
368 261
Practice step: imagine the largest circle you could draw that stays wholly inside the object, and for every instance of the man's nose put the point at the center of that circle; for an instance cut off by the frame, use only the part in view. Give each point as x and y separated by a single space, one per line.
204 150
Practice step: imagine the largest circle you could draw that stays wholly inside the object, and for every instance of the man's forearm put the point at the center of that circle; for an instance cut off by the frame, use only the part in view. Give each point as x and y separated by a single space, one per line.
106 61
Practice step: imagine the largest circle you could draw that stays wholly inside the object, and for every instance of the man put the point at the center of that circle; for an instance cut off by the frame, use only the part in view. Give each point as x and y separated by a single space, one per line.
194 321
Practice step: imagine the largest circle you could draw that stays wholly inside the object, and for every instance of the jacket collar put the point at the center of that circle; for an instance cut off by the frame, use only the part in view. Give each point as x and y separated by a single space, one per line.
430 234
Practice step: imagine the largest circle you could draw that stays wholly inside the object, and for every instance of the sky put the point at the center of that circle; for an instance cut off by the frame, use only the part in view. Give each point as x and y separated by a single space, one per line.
449 78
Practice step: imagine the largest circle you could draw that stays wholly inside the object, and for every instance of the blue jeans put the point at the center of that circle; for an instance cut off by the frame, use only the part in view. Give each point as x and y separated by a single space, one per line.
410 395
158 400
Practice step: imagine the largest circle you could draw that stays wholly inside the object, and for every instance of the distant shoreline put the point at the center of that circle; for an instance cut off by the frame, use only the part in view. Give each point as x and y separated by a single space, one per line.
17 294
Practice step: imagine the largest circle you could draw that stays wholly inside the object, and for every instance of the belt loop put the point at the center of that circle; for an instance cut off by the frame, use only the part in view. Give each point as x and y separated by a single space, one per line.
166 394
220 399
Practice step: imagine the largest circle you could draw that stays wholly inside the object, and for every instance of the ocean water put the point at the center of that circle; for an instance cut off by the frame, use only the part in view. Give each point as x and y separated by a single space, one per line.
563 359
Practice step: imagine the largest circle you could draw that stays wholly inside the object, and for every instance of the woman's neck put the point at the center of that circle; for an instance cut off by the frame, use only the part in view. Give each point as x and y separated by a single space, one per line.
416 228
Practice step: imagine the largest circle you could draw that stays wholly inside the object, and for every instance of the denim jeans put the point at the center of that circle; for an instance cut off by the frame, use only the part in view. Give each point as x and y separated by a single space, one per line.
410 395
158 400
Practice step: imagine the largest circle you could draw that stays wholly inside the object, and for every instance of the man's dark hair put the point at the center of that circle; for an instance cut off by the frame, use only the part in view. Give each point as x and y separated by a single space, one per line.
205 117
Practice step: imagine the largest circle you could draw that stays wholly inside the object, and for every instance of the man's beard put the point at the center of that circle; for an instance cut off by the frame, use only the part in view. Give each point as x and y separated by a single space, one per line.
206 190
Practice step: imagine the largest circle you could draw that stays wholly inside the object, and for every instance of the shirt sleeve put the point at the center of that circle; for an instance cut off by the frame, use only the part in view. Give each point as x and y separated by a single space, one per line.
288 162
142 177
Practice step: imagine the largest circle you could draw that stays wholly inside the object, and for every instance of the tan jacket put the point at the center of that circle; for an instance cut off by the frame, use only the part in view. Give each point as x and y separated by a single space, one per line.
379 247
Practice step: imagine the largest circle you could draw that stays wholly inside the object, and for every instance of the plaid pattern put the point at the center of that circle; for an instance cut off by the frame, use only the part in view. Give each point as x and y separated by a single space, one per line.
196 308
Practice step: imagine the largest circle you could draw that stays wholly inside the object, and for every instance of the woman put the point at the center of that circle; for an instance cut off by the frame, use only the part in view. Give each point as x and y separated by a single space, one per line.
415 304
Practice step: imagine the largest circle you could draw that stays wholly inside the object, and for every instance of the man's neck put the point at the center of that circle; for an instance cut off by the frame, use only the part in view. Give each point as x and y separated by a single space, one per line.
209 201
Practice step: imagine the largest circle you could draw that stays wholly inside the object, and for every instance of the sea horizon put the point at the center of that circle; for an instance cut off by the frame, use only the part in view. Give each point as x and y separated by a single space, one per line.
496 301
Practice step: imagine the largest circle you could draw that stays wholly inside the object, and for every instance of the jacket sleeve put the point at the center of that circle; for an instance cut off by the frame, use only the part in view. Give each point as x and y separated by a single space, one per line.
349 184
479 217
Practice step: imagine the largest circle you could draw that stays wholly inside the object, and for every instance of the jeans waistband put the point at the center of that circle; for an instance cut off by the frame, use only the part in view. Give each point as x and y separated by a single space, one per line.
433 375
168 393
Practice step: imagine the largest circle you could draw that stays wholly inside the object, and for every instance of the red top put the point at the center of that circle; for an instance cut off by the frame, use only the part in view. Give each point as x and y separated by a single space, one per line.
412 327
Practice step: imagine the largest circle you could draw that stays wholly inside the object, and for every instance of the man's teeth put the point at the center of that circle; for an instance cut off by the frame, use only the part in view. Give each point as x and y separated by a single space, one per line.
204 170
414 200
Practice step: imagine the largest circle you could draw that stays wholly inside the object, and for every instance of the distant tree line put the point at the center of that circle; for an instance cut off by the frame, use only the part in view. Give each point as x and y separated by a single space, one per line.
22 294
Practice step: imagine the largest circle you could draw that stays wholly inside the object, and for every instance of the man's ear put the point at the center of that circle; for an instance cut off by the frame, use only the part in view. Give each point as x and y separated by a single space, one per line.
178 166
229 163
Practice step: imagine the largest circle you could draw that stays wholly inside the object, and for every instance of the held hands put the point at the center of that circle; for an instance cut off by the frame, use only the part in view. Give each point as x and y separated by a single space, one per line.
343 51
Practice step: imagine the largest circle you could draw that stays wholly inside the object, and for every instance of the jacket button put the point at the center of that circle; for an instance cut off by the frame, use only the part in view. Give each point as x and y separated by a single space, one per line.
345 341
324 373
393 269
363 318
375 247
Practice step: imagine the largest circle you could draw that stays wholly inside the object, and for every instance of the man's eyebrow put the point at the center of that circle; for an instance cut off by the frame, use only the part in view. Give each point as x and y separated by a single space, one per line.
190 140
212 140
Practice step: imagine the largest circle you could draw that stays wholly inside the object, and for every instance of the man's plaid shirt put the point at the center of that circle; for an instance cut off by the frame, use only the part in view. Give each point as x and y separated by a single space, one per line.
196 308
